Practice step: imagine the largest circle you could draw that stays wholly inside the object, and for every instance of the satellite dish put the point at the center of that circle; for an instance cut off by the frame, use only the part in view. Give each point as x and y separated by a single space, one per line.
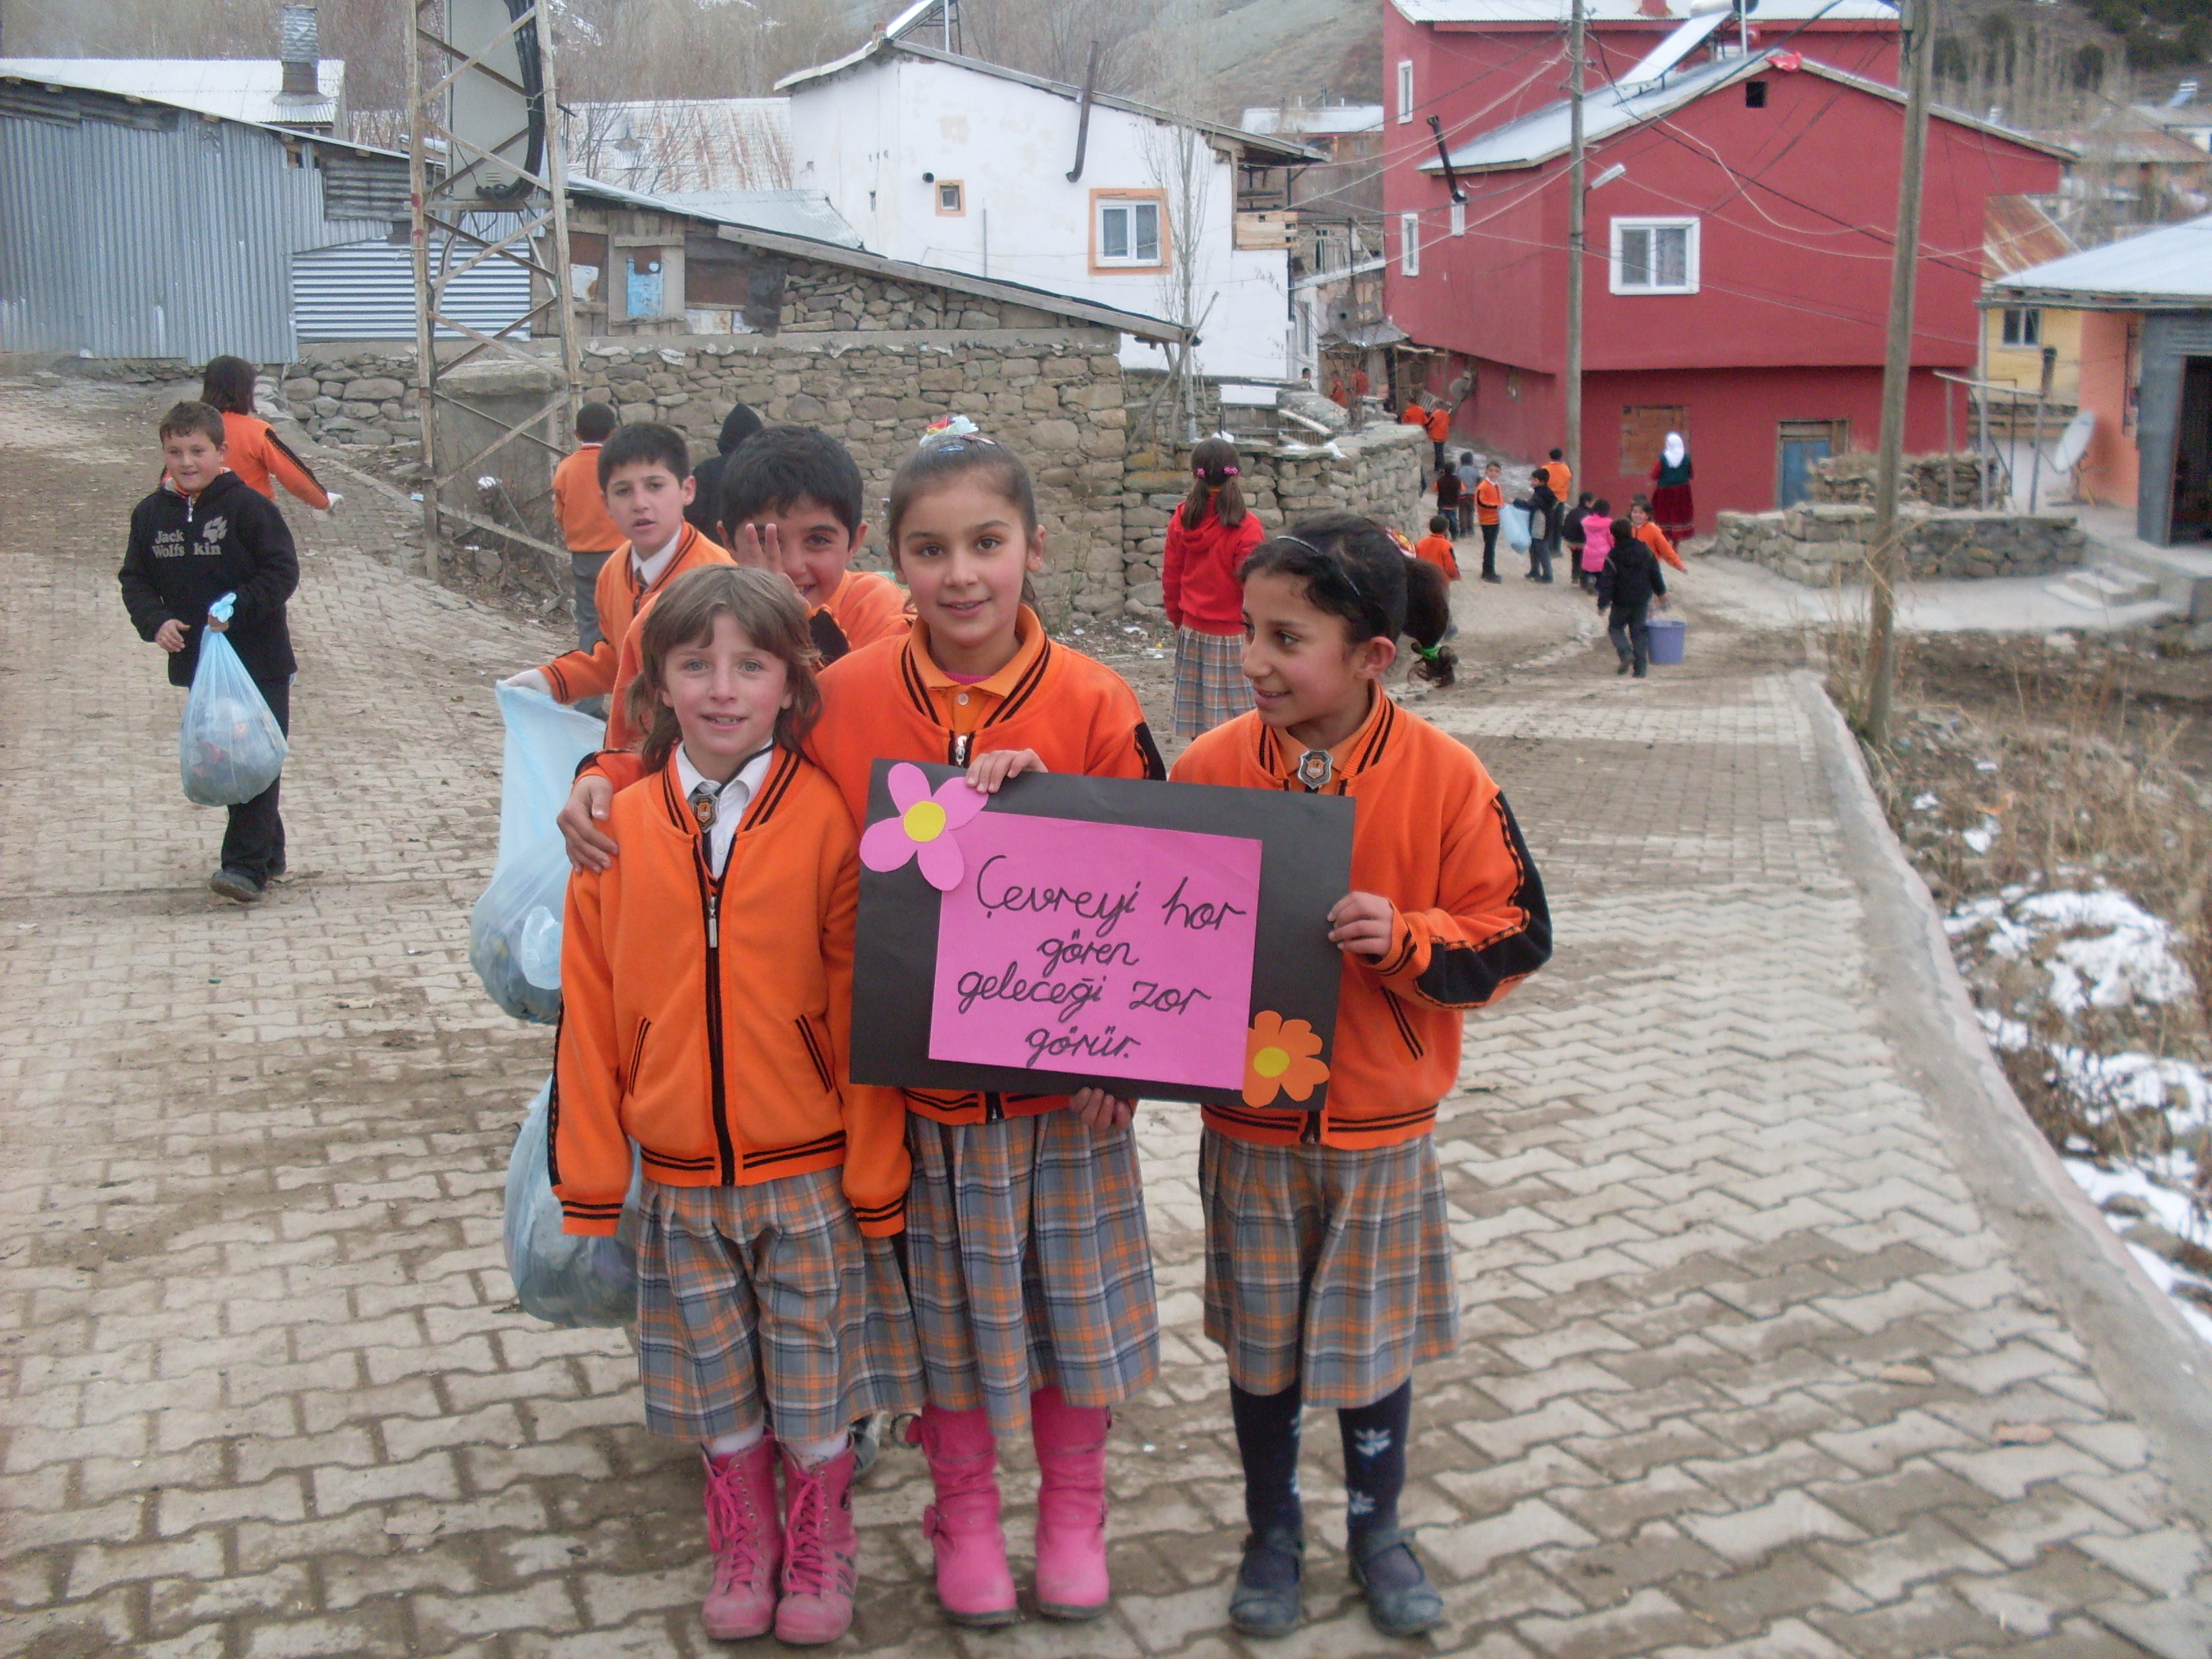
1686 39
2074 442
498 104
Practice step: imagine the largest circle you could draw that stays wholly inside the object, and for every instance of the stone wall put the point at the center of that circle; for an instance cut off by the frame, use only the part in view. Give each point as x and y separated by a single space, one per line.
355 396
1379 473
1938 480
1819 542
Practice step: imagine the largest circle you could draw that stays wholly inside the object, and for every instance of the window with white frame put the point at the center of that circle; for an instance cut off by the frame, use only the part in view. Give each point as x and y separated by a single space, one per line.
1405 89
1655 256
1458 219
1409 244
1126 231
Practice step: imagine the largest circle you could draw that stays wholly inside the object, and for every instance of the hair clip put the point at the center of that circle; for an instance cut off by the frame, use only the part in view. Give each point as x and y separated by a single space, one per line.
1428 652
1202 472
952 429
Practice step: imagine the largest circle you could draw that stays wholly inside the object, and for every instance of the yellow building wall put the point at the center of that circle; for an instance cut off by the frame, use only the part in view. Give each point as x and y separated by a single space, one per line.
2022 366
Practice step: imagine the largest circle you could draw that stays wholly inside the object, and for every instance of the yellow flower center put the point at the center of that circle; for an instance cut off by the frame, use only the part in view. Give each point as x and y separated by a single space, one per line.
923 821
1270 1062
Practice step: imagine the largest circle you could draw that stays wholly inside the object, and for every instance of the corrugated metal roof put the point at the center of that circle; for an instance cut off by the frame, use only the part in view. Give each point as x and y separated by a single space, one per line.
1258 146
240 88
1327 120
2169 269
366 291
664 144
794 212
1542 135
2017 233
1632 11
97 256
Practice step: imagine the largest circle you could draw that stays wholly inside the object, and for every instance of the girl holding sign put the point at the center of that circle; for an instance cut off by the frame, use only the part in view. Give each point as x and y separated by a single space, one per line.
1328 1270
706 975
1029 1262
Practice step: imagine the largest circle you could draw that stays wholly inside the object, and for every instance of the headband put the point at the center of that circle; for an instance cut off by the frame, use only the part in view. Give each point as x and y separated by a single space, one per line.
1428 652
1335 561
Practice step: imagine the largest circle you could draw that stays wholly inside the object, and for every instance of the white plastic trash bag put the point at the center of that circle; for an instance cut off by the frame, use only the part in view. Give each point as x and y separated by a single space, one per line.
1513 521
514 934
569 1279
229 748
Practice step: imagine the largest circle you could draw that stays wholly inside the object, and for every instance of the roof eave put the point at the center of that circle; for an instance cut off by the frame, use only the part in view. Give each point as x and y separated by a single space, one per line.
1995 296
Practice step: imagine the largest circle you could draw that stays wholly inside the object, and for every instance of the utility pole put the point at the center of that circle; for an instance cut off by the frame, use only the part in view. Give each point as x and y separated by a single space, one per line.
1575 237
1918 44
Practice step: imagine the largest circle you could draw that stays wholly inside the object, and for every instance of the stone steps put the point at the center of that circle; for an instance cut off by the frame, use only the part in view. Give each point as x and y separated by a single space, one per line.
2103 586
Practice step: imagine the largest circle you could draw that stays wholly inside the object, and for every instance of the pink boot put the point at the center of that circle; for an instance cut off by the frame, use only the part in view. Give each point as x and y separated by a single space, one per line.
1071 1535
973 1586
819 1550
748 1544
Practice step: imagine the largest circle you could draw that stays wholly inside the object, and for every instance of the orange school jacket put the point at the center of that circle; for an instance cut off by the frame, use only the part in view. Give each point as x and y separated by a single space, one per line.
252 450
1656 538
1439 423
709 1020
1437 550
579 674
1560 474
1488 498
866 607
580 508
1435 837
891 701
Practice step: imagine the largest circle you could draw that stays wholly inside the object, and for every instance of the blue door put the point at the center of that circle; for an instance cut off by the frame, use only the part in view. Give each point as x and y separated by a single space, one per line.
1798 457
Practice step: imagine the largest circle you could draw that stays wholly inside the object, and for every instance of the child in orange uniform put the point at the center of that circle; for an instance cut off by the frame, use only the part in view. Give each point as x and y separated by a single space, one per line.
581 511
1209 537
251 448
791 501
1328 1272
1436 548
1028 1256
1645 530
1489 498
645 474
706 990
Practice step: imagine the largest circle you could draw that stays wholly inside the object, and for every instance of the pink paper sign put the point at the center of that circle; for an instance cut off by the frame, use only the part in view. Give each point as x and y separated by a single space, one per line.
1098 949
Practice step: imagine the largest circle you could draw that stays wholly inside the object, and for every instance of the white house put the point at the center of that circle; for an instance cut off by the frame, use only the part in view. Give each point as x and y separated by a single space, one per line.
943 160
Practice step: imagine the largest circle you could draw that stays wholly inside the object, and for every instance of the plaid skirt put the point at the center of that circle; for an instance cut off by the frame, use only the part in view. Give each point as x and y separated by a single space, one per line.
1030 1265
1210 686
1326 1267
765 1304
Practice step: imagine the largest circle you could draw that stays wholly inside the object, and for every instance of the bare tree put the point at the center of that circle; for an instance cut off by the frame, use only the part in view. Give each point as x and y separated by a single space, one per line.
1182 163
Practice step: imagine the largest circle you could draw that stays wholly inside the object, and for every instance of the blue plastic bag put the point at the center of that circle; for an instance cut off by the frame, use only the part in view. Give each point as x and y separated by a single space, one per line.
229 748
514 932
567 1279
1513 522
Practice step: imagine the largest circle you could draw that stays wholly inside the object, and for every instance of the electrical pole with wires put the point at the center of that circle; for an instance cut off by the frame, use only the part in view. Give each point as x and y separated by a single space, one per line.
1917 41
1577 162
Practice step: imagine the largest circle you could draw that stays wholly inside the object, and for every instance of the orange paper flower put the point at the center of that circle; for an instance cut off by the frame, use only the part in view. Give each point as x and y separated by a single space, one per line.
1280 1057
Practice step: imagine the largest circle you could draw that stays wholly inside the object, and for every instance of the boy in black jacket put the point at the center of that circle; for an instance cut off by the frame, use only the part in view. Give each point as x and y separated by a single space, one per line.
1629 583
204 533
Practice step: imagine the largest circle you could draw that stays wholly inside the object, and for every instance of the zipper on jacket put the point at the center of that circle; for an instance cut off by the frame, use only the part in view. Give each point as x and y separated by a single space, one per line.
1311 1135
956 751
710 899
994 1108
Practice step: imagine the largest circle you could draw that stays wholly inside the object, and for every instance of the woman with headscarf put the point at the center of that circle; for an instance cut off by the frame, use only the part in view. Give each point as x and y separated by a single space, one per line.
1673 508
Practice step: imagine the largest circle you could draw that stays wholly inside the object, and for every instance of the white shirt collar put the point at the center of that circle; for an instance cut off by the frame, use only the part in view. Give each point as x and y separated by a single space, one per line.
733 798
649 569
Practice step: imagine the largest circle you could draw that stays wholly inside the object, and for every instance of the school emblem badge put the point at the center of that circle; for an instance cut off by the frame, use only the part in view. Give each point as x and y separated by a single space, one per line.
1314 767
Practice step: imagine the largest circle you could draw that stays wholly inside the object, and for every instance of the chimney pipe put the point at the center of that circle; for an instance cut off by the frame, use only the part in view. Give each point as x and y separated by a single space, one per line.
300 49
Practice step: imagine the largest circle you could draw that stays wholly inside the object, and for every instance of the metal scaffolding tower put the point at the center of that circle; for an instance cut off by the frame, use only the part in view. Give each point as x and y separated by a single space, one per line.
488 178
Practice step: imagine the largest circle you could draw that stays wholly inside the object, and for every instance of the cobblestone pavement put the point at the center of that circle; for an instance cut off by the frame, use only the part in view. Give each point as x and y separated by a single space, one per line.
1750 1370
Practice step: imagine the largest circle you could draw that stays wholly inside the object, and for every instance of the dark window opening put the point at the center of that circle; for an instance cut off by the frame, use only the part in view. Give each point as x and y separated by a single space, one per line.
1754 94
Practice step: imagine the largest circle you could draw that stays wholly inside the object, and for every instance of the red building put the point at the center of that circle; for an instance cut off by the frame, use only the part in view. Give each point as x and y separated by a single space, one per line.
1737 286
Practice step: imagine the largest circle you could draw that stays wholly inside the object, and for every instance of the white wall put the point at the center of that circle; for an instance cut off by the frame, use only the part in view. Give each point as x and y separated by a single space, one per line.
866 136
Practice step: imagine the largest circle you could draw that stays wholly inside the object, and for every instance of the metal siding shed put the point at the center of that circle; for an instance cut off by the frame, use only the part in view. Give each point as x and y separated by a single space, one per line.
125 242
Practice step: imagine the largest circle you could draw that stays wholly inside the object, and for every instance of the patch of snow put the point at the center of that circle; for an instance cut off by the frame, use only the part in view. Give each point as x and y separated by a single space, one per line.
2170 1209
1981 840
1927 802
2110 952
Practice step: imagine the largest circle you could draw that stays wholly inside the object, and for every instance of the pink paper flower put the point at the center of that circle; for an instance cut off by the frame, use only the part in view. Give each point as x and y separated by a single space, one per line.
923 828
